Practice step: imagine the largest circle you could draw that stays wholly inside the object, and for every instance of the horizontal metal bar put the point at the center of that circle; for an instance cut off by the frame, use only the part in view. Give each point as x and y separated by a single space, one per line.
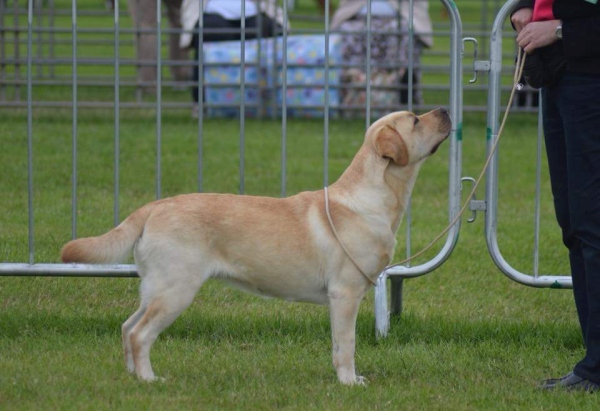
482 65
67 270
477 205
57 82
141 105
109 61
429 68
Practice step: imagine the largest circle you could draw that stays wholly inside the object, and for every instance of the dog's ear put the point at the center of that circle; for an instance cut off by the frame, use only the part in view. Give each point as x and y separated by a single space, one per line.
389 144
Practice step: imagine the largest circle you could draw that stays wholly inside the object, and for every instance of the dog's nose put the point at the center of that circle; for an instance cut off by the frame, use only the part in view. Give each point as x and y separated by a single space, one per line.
443 114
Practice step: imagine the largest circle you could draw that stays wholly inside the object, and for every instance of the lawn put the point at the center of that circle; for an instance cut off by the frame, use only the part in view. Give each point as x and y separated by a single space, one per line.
468 339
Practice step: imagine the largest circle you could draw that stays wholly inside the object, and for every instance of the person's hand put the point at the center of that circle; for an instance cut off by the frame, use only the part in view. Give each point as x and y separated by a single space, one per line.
521 18
537 34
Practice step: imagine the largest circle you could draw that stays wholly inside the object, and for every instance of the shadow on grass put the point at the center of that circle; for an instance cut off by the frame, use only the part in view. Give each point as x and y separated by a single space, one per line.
212 328
444 329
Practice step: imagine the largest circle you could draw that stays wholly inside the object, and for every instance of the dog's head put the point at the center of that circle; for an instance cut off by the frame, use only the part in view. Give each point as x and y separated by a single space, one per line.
405 138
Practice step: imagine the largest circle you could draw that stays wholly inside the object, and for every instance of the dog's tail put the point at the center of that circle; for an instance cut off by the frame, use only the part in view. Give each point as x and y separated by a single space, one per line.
112 247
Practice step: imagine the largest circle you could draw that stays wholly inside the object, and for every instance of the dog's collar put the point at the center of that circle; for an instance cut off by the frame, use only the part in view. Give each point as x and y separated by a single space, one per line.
337 236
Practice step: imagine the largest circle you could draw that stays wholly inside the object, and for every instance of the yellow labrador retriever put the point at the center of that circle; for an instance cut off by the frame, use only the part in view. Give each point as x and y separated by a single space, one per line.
281 247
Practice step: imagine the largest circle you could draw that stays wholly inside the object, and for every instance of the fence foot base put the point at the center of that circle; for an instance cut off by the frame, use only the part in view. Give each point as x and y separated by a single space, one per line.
382 315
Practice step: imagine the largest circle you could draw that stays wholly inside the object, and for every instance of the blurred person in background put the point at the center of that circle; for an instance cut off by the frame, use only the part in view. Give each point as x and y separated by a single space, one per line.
389 48
144 16
222 21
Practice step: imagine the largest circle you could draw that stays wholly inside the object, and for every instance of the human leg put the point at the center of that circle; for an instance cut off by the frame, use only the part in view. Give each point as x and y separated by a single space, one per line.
580 110
571 128
176 54
556 151
143 13
264 26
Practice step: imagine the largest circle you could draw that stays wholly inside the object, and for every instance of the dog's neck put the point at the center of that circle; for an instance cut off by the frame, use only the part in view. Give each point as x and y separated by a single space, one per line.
372 185
400 181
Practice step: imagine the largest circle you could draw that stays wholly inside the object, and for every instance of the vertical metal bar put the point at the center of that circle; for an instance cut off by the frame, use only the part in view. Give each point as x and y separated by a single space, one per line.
456 113
326 97
368 68
538 179
408 218
284 69
200 86
51 37
275 75
158 100
243 99
484 29
408 213
29 130
2 52
17 46
40 51
261 110
138 65
493 114
117 68
74 130
411 50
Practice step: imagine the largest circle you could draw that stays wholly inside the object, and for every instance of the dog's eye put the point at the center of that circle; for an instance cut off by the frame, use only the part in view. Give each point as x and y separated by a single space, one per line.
416 121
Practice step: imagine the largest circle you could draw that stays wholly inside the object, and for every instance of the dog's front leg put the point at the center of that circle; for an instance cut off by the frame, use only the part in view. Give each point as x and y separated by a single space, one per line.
343 312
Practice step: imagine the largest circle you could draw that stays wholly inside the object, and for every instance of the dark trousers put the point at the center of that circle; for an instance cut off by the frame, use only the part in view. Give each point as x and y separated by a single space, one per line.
571 111
216 28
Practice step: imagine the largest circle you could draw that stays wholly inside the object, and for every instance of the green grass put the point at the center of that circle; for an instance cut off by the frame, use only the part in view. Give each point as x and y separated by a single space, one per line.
469 338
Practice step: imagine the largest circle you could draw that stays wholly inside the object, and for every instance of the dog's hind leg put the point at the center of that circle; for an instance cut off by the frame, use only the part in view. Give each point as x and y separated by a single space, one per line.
164 306
125 335
134 319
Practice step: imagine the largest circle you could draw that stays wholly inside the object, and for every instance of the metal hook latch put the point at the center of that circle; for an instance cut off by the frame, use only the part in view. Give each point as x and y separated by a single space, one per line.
474 204
478 65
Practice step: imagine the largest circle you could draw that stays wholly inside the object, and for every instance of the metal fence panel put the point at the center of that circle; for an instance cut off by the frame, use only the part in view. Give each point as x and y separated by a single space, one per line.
491 216
53 29
454 184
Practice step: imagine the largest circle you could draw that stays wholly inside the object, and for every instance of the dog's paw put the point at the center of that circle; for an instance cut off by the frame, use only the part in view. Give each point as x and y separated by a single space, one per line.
355 380
152 378
130 367
155 379
360 380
